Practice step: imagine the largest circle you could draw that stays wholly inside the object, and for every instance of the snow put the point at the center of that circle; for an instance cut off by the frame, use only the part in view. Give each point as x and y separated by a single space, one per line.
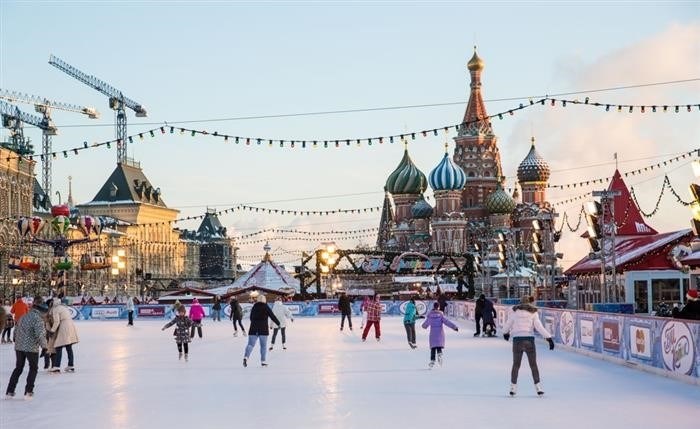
132 378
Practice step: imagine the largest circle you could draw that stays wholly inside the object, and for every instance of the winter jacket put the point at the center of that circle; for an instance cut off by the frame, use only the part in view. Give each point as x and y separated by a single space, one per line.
259 314
4 319
236 310
442 300
182 328
374 311
409 313
435 319
282 313
691 311
196 312
63 327
217 305
488 312
129 304
344 304
479 308
30 333
523 320
19 309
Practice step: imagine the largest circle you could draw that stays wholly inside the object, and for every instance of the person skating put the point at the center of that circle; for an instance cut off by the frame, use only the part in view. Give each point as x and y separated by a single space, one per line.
435 320
196 315
488 314
374 316
216 309
258 329
409 322
130 309
30 337
8 322
282 313
18 309
522 321
63 328
182 331
236 316
345 307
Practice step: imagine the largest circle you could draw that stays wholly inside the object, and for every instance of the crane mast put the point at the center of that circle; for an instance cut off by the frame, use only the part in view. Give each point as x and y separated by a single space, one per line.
13 118
117 101
44 106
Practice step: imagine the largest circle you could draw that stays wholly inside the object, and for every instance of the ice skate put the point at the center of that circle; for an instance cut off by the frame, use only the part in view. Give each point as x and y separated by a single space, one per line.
263 364
270 349
476 334
29 396
538 387
235 334
69 369
54 370
187 358
9 395
179 356
513 389
431 364
245 362
284 347
439 359
244 334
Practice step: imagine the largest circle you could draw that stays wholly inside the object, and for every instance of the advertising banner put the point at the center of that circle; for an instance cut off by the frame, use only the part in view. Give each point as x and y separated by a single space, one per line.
611 335
74 312
104 312
677 347
587 332
640 341
328 308
150 311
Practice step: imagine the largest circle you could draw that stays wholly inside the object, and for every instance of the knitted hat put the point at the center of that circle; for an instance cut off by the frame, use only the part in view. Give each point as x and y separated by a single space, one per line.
692 294
195 301
41 307
261 298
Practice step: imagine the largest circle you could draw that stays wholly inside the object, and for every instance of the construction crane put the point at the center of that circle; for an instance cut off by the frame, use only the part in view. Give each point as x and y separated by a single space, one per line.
44 106
13 118
117 101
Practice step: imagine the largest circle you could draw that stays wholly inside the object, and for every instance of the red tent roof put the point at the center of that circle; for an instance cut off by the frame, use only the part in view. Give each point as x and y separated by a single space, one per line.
645 251
628 218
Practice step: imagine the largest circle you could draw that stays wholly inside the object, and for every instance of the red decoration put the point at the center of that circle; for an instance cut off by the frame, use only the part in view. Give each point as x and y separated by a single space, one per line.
60 210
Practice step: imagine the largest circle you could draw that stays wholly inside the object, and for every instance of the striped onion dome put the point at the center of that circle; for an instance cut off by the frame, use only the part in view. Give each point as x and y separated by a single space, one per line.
533 168
499 202
406 178
421 209
447 176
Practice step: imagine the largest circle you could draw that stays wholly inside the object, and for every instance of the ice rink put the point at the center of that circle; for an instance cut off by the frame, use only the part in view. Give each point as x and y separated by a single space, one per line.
132 378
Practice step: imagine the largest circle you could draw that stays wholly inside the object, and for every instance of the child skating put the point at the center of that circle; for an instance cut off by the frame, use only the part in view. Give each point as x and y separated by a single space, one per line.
435 319
182 331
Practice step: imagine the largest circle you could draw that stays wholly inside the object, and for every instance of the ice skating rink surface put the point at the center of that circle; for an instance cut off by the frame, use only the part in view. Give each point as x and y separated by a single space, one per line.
132 378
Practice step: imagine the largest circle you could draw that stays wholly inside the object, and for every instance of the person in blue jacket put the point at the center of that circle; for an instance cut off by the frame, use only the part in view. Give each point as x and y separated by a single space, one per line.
409 322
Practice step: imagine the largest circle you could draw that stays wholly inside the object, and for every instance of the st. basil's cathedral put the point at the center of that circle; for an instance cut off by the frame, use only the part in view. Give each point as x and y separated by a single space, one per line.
471 204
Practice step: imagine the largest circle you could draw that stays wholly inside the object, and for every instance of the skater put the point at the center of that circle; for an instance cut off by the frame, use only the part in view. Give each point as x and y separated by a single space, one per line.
216 309
485 312
435 319
374 315
48 352
258 329
196 315
30 336
345 307
409 322
363 309
63 328
182 331
282 313
236 316
130 309
522 321
175 306
8 321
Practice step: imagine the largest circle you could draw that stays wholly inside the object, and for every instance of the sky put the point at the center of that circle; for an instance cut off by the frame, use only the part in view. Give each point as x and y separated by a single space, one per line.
191 61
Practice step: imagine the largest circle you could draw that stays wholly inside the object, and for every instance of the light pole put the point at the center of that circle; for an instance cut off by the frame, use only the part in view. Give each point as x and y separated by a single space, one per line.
118 268
326 258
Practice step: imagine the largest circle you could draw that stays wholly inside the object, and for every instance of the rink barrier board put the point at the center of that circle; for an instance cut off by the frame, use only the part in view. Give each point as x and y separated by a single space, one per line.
664 346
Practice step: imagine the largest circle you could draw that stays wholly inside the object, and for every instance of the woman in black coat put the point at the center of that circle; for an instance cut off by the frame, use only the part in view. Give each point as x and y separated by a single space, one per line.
236 316
259 329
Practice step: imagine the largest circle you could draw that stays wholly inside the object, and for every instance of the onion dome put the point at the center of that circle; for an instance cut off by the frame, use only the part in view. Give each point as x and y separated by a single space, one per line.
533 168
476 63
406 179
421 209
499 202
447 176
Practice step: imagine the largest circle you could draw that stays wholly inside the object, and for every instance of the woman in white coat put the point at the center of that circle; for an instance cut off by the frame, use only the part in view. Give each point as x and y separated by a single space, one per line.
63 330
282 313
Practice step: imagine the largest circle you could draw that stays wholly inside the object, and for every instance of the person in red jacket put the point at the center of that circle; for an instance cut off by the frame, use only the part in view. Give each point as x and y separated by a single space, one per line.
374 315
19 309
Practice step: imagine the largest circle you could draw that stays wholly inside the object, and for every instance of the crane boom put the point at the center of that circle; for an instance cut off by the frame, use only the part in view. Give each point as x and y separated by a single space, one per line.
13 118
117 101
97 84
12 111
41 103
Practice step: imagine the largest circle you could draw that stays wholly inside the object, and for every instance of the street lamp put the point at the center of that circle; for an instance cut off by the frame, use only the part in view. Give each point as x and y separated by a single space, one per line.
119 266
326 258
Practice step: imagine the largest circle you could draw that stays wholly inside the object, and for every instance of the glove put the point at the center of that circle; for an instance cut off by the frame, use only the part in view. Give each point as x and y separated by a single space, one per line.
456 329
551 343
506 337
292 320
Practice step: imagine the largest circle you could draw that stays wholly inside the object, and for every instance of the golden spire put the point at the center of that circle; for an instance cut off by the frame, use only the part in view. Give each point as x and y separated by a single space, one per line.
476 63
446 145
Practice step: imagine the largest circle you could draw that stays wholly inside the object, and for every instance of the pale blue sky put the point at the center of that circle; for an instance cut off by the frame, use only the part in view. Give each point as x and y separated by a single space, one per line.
186 61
